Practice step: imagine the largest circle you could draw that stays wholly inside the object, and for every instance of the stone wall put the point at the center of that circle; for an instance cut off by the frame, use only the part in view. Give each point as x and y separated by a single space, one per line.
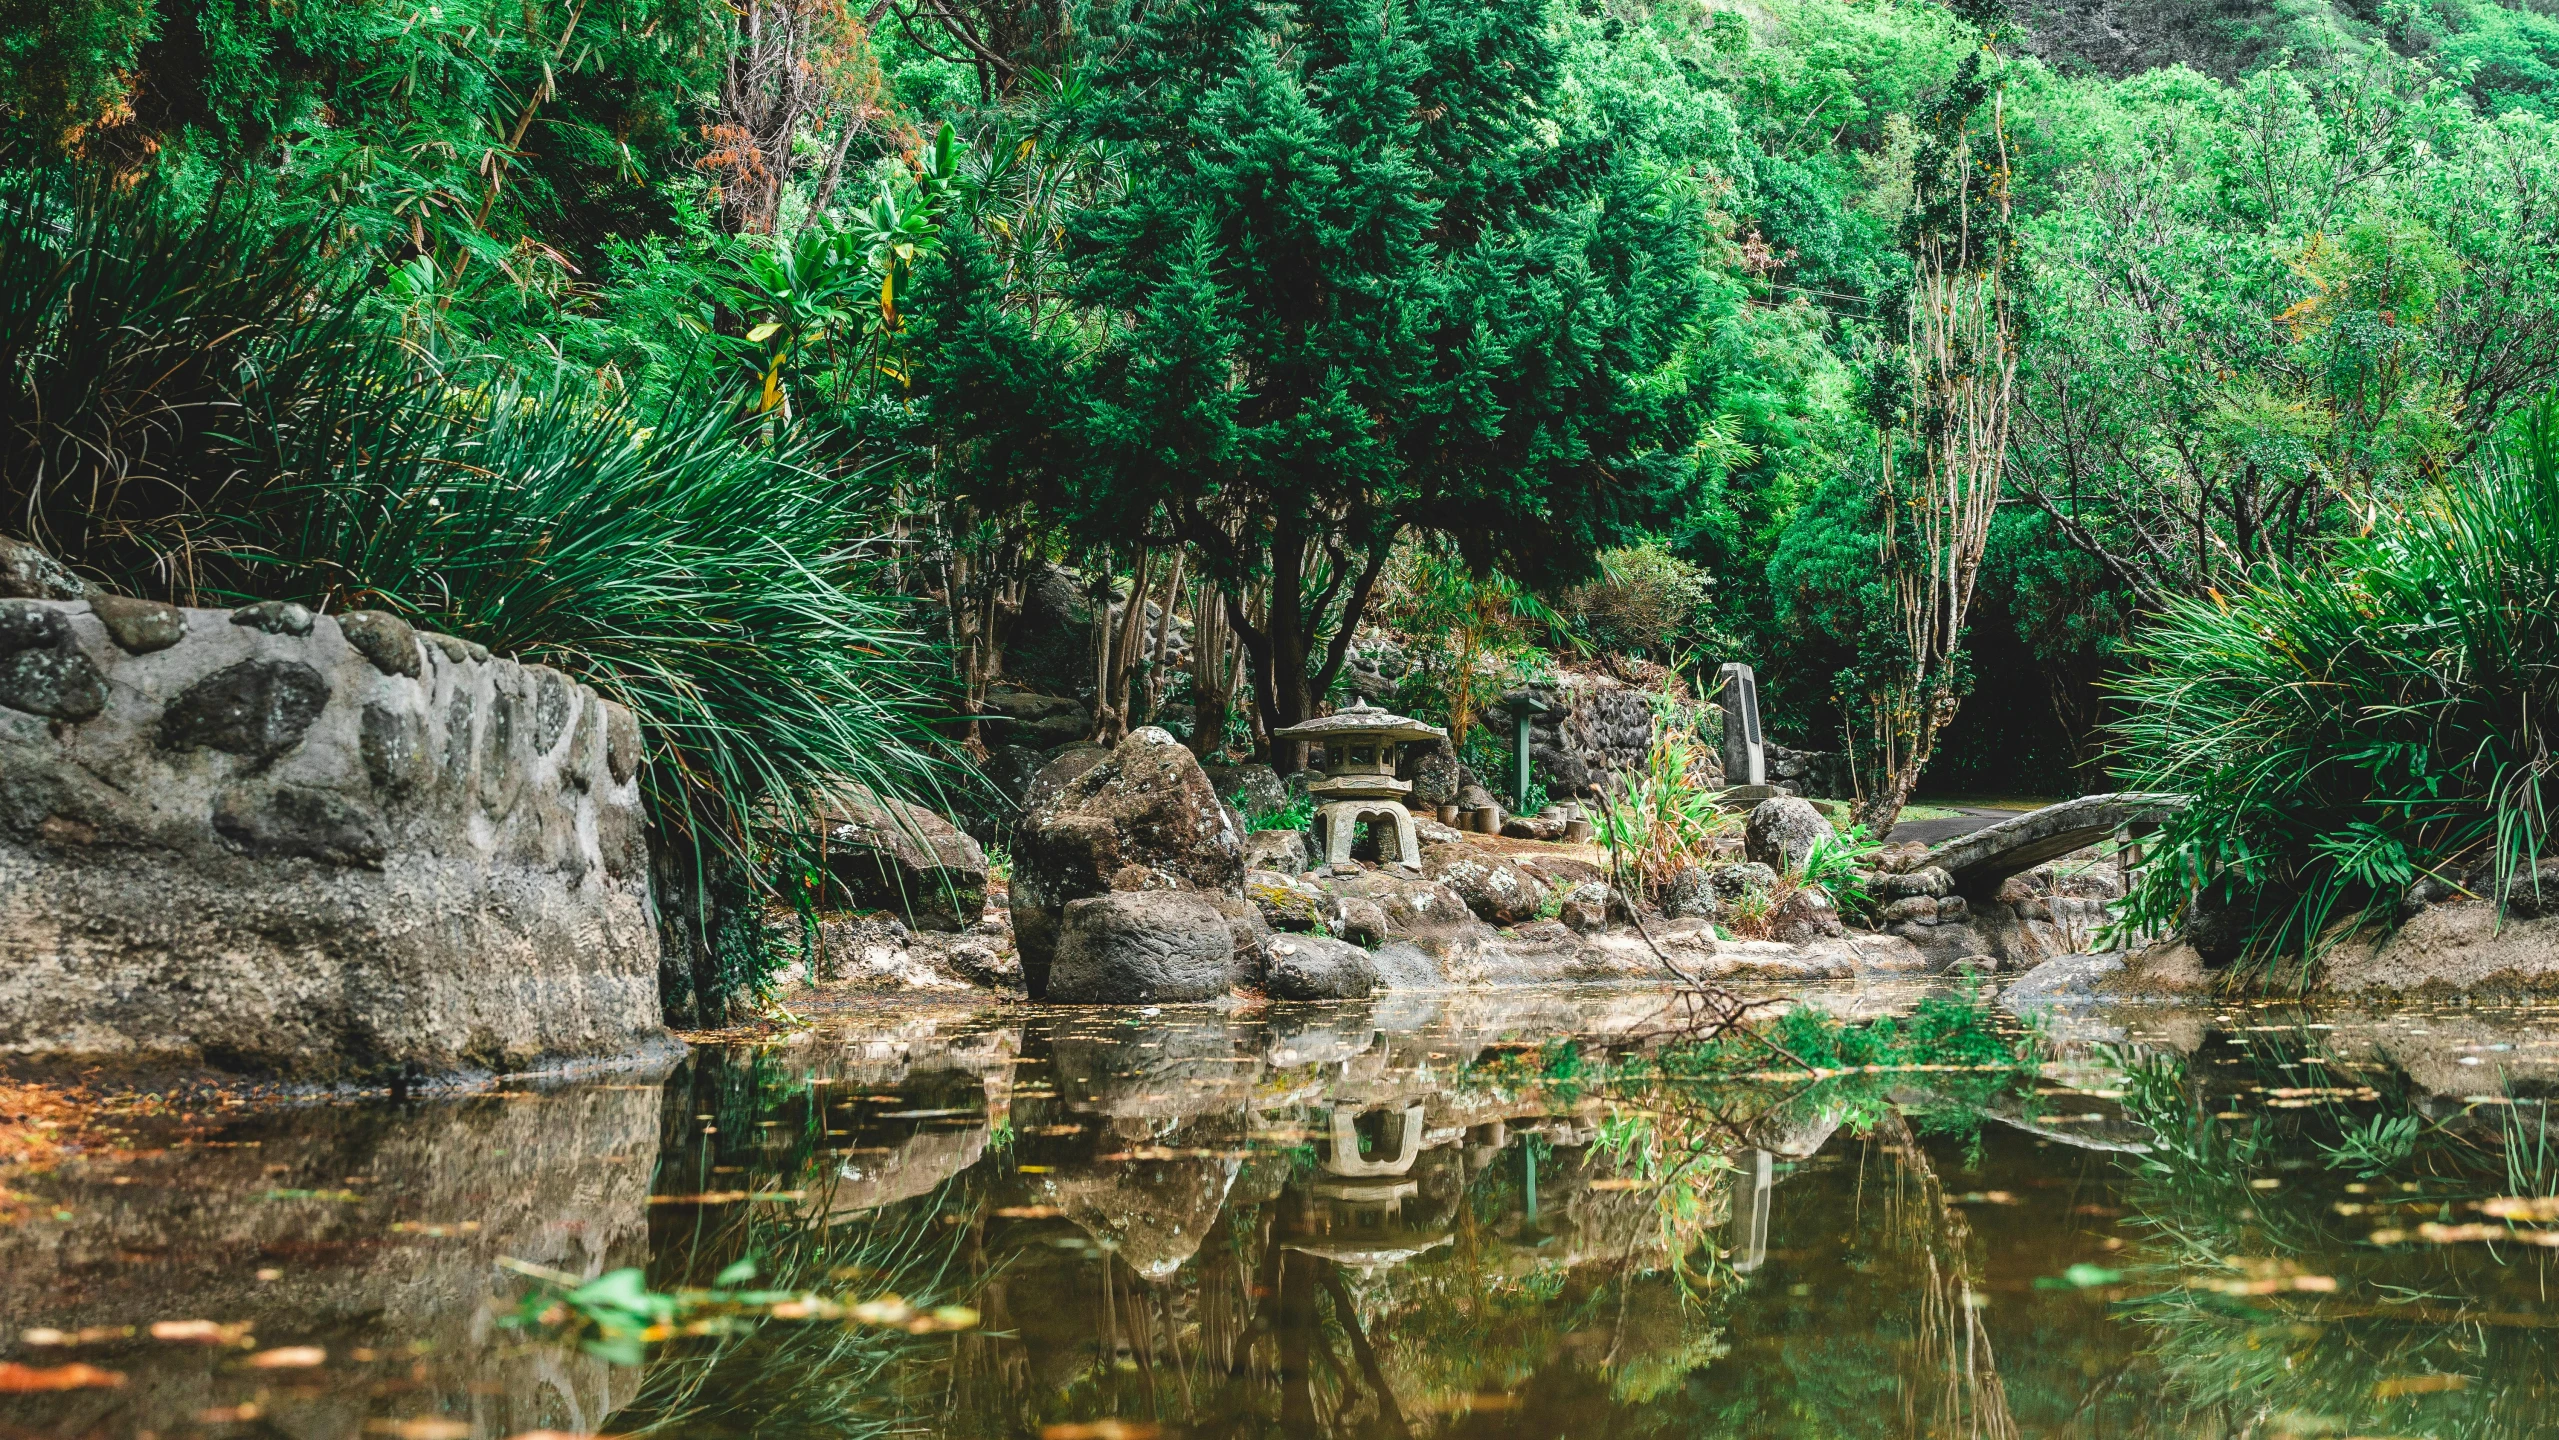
324 846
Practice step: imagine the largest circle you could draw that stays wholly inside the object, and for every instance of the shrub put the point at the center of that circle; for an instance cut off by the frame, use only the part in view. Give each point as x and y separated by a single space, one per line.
2346 728
1662 820
1647 601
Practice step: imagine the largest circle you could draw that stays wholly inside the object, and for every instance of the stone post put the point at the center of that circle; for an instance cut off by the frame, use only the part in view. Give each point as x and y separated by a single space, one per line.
1745 758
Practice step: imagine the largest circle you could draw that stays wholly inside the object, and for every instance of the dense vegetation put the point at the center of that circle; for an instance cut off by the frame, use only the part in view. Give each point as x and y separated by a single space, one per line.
750 360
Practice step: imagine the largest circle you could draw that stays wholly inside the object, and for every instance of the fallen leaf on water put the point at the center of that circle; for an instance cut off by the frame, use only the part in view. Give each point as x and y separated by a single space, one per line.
229 1414
289 1357
2522 1207
729 1197
17 1379
1986 1197
423 1427
199 1332
556 1435
2455 1234
88 1335
1101 1430
2398 1385
1029 1212
1616 1182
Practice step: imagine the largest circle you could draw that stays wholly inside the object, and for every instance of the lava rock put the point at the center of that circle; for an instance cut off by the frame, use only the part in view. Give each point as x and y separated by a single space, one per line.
275 617
1499 892
1930 881
1280 850
385 639
1317 967
1148 809
28 573
1913 909
1256 789
886 854
1362 922
258 709
1435 775
1292 904
139 627
1781 832
42 671
1139 948
1805 916
621 742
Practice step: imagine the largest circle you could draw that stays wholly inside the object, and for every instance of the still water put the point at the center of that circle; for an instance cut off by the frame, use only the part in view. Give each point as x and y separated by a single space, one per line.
1514 1216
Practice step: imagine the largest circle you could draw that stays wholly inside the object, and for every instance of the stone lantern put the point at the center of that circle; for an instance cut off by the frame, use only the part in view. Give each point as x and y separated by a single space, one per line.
1361 747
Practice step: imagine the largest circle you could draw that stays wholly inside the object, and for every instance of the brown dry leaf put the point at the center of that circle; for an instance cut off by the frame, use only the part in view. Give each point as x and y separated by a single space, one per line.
1029 1212
557 1435
17 1379
422 1427
229 1414
199 1332
1113 1429
289 1357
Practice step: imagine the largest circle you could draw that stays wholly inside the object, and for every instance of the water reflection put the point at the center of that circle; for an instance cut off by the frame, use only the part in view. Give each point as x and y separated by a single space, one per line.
1429 1220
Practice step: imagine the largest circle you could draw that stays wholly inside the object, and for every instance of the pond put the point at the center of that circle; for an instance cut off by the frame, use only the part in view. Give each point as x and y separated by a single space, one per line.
1533 1214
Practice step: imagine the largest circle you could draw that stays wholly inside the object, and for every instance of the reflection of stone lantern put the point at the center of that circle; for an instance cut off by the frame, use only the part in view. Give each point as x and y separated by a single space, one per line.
1360 783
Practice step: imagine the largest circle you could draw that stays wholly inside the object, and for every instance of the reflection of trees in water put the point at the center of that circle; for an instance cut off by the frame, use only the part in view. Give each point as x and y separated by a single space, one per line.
2449 1341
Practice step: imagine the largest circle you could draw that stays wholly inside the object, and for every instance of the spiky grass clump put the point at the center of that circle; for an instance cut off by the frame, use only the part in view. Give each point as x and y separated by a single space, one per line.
2348 728
194 409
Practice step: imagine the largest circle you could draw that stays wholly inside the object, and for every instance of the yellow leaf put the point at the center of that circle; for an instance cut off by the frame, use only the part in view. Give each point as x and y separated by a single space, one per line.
763 332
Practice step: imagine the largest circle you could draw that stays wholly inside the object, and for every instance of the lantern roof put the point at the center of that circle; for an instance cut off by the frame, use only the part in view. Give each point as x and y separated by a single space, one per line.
1361 718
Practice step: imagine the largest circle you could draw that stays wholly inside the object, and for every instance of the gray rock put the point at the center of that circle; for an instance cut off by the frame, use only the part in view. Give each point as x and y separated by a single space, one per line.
1062 767
1139 948
139 627
1363 922
1435 777
1912 909
328 904
550 707
1806 916
1781 832
303 822
1316 967
1011 769
28 573
275 617
1147 810
385 639
258 709
451 647
1290 903
1979 861
1931 881
621 742
394 742
42 670
1731 882
1022 717
887 854
1431 832
1499 892
1534 827
1689 896
1256 789
1280 850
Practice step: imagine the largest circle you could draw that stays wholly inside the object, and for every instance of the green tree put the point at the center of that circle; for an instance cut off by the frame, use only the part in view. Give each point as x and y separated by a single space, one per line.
1375 270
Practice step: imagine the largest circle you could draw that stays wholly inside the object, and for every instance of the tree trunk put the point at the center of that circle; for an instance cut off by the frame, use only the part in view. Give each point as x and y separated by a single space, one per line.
1212 671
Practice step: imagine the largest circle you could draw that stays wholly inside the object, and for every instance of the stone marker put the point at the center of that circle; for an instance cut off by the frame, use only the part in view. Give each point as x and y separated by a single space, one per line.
1745 758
